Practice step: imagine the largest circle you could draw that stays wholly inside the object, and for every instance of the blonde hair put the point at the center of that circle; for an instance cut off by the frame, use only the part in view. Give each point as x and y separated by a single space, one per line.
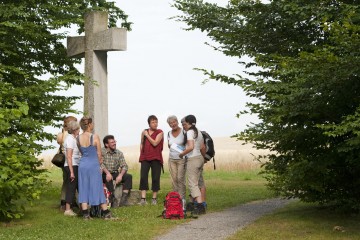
73 126
84 122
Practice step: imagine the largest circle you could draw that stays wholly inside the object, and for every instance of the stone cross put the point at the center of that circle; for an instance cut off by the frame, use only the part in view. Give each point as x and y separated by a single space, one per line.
98 40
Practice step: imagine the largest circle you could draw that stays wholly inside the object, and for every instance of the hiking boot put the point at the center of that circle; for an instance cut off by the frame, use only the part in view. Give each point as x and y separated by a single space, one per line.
154 201
190 207
70 213
202 209
87 217
108 216
205 205
142 202
199 209
124 200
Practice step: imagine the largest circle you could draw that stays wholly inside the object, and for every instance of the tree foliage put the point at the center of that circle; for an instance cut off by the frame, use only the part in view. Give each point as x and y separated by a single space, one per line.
304 73
33 69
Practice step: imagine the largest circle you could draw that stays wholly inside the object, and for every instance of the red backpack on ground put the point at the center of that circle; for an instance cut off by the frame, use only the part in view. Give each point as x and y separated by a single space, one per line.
173 206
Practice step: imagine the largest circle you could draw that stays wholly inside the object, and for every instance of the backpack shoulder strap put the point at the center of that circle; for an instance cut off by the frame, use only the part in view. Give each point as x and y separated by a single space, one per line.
143 143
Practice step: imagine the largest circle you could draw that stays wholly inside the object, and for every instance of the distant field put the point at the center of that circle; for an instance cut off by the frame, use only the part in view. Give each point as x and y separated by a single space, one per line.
230 155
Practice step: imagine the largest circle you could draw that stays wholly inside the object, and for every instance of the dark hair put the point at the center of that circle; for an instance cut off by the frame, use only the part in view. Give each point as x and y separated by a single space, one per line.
107 138
191 119
151 118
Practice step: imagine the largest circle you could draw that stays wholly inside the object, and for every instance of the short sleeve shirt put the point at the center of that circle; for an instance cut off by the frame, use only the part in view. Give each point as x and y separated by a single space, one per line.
177 140
113 160
70 143
190 134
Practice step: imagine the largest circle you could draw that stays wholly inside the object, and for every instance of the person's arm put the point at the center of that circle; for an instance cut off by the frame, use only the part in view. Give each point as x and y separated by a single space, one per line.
98 147
59 138
189 147
155 141
142 140
122 167
104 169
168 139
120 176
69 153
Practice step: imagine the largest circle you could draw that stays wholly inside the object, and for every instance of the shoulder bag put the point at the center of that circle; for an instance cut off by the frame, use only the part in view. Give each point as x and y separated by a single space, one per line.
59 158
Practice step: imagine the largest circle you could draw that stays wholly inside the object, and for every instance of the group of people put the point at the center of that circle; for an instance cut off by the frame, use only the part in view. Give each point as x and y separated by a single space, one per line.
186 158
88 165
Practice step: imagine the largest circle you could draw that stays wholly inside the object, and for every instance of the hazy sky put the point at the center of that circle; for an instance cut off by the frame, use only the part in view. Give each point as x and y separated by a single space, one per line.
155 76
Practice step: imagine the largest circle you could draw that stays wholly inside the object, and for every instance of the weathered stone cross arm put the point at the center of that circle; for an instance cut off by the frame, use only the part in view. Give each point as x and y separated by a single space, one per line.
113 39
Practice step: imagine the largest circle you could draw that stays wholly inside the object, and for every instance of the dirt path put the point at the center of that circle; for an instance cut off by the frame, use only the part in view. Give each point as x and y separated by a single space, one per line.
220 225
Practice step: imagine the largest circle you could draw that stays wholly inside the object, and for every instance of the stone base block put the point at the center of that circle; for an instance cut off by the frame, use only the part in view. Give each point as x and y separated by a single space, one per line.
134 197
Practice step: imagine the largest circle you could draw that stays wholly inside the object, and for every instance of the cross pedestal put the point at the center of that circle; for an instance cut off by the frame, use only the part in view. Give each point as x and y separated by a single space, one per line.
98 40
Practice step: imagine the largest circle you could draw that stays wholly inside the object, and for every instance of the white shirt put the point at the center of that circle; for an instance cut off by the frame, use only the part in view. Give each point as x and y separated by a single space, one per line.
197 142
70 143
175 140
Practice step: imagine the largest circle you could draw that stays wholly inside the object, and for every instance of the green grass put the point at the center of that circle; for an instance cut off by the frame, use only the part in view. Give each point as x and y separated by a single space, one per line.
43 220
302 221
297 220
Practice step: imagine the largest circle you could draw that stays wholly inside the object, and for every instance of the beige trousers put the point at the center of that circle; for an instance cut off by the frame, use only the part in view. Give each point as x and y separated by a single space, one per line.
194 168
177 169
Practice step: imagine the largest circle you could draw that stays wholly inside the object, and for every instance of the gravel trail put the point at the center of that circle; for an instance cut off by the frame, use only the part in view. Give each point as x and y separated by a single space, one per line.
220 225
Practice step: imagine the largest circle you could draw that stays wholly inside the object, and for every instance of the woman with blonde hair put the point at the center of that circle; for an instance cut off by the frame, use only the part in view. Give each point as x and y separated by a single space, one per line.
60 140
71 166
91 191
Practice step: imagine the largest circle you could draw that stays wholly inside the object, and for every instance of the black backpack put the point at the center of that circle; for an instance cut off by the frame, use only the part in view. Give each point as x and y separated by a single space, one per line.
210 150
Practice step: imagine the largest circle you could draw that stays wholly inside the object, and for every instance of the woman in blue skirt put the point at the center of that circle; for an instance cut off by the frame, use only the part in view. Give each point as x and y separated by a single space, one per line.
91 191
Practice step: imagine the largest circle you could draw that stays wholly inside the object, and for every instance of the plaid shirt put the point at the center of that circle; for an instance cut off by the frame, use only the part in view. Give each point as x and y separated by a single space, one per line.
113 161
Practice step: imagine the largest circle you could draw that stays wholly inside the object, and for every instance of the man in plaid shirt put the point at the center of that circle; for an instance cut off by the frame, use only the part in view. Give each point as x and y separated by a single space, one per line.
114 169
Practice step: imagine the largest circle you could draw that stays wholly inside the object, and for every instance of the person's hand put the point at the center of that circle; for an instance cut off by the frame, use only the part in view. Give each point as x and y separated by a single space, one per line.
118 179
72 177
181 155
145 132
108 177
